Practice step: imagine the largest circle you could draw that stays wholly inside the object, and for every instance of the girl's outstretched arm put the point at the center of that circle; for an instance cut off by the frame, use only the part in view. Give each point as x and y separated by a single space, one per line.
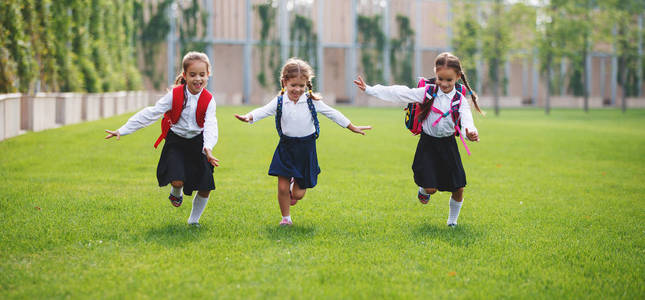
143 118
113 134
360 83
393 93
245 118
358 129
260 113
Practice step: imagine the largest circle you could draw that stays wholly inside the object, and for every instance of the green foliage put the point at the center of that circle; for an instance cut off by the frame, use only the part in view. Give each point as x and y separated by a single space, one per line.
268 41
67 46
402 52
81 46
372 39
304 40
467 33
18 45
552 38
192 29
71 79
44 47
624 17
496 37
153 36
540 219
8 66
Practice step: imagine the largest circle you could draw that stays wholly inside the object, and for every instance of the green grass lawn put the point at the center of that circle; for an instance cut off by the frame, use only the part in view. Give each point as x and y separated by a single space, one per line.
553 209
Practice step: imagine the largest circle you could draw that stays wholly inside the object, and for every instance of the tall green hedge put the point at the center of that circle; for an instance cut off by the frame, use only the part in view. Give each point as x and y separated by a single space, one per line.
69 45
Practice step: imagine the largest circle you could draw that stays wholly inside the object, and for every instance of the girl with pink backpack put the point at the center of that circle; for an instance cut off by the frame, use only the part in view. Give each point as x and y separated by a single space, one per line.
438 114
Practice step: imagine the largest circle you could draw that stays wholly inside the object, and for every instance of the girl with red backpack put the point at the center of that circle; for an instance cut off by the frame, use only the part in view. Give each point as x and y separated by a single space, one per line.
438 113
189 127
295 161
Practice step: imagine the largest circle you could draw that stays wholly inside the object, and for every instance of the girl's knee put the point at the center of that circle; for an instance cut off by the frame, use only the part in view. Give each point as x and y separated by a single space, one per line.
298 194
458 195
430 190
177 183
204 194
282 190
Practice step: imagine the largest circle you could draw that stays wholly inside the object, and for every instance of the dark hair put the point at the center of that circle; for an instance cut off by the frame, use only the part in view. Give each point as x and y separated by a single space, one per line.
295 67
187 60
448 60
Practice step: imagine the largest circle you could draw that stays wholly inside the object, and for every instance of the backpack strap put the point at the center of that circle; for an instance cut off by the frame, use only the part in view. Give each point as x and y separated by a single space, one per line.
312 110
202 105
456 117
172 116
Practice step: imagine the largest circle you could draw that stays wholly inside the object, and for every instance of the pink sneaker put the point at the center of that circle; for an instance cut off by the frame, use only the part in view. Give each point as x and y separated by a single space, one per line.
285 222
423 198
293 200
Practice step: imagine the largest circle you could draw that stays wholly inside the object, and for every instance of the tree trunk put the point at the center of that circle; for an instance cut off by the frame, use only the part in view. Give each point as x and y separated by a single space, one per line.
549 74
496 88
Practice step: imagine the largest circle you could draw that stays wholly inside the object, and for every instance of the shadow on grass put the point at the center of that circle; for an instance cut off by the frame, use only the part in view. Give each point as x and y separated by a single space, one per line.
292 233
460 236
175 234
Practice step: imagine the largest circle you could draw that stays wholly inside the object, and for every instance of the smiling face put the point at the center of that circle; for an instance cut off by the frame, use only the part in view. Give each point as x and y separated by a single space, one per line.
295 87
446 78
196 75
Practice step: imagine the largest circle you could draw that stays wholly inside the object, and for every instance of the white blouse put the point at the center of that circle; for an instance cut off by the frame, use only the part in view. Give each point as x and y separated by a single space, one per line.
186 127
446 127
296 118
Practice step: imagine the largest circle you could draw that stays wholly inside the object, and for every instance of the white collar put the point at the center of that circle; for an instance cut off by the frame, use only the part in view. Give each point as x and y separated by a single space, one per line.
303 98
449 94
194 95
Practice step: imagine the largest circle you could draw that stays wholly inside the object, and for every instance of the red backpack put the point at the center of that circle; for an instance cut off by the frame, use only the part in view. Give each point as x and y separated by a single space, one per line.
172 116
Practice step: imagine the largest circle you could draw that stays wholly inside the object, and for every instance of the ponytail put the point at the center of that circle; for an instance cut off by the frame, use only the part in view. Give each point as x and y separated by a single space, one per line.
311 94
473 95
180 80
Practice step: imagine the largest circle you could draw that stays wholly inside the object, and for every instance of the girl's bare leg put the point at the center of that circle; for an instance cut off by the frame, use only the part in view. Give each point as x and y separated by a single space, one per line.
283 195
297 193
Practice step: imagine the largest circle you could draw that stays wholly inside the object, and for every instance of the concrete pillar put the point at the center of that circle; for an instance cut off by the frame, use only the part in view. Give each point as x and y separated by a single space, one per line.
246 99
170 38
320 61
386 53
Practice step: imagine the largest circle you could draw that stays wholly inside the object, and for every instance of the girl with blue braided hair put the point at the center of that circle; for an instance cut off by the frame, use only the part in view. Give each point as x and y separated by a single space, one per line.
295 161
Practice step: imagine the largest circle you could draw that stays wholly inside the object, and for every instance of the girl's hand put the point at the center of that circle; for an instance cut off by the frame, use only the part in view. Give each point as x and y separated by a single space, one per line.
245 118
113 133
360 83
358 129
473 136
211 159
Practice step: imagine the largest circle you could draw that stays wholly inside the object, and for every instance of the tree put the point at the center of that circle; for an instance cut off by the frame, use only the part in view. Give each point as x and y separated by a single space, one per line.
624 15
465 41
496 41
372 39
402 52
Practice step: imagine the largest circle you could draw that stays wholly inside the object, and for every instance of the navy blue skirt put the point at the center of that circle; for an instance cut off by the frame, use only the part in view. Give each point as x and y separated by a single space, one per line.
182 159
437 164
296 157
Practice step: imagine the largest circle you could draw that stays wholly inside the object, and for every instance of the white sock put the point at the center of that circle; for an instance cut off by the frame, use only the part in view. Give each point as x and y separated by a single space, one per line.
454 211
176 191
288 218
199 203
423 191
